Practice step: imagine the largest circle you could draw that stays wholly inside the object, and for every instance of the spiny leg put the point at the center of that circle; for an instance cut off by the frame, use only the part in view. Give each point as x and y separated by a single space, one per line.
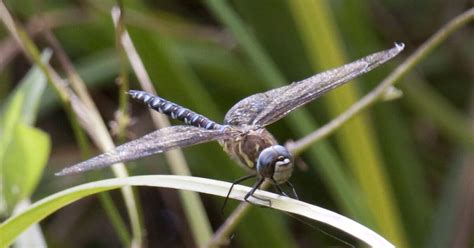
280 191
231 187
254 188
293 190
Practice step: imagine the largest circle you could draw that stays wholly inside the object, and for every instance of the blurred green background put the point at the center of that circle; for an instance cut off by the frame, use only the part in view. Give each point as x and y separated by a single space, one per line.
405 168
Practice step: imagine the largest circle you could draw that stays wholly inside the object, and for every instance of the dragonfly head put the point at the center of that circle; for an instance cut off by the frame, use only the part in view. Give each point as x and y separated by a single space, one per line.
275 163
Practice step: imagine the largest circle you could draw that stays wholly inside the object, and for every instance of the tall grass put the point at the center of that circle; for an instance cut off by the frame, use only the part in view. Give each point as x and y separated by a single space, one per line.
402 168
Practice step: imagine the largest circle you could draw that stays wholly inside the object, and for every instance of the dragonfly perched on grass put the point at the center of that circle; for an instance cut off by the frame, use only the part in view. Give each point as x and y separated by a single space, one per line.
242 135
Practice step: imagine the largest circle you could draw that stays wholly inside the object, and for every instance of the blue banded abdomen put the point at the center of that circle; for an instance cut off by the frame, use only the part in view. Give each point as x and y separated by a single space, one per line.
174 110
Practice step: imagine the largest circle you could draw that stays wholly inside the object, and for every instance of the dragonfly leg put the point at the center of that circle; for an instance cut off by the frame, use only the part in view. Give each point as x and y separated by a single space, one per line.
279 190
231 187
254 188
295 196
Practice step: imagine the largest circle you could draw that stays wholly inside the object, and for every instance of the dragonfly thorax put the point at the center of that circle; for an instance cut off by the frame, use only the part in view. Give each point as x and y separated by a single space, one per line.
257 150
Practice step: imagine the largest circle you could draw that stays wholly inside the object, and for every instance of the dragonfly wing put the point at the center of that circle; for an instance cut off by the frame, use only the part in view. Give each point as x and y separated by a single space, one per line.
245 111
159 141
270 106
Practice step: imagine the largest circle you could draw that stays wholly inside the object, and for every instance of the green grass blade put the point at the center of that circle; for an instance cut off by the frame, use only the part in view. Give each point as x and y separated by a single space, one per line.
356 138
12 227
402 160
427 102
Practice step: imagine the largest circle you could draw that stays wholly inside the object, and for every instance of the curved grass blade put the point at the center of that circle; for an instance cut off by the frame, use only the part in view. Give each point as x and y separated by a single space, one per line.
14 226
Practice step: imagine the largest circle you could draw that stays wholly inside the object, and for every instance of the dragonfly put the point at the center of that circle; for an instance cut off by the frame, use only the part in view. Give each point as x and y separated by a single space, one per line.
242 135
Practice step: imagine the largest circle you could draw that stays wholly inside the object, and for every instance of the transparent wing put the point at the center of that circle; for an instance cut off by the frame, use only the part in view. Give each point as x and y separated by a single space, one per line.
159 141
267 107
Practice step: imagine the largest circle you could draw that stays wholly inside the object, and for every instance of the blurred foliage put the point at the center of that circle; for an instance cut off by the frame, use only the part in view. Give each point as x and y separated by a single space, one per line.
198 59
24 149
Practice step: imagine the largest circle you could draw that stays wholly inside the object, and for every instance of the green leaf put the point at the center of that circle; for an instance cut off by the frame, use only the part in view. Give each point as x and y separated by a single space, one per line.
23 163
23 149
32 86
8 119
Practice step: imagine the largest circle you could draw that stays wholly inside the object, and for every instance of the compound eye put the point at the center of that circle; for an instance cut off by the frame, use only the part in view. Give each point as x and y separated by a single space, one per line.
280 158
268 158
271 157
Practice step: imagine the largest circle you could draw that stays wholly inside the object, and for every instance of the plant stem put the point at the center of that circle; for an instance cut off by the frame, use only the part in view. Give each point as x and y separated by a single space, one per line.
377 93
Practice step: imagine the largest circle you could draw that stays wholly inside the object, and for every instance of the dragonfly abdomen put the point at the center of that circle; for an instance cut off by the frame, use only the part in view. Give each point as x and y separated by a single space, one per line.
174 110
